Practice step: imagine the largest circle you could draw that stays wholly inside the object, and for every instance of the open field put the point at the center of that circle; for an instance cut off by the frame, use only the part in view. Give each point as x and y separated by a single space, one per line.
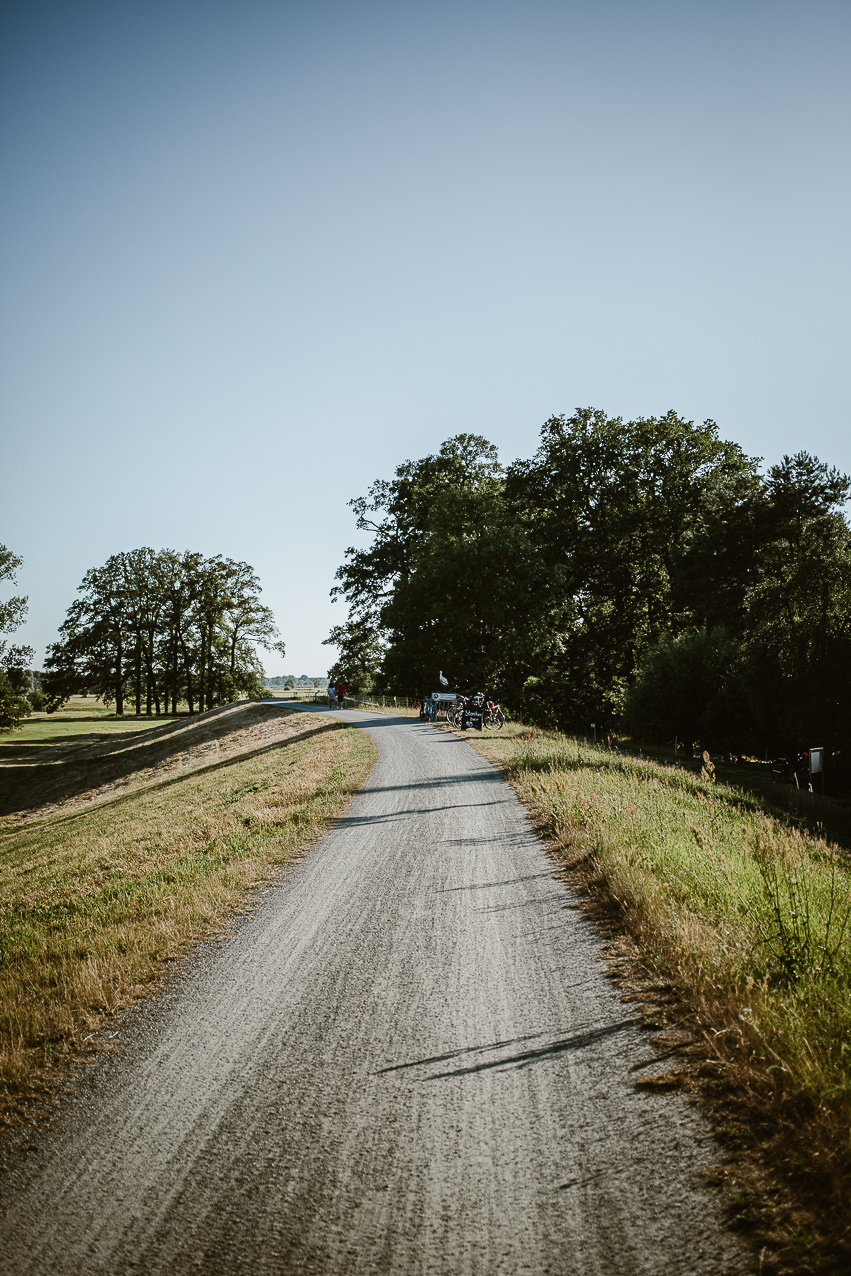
91 709
733 926
121 851
45 736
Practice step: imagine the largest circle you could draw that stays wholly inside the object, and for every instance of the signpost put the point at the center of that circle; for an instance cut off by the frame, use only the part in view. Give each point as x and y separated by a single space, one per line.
817 766
440 702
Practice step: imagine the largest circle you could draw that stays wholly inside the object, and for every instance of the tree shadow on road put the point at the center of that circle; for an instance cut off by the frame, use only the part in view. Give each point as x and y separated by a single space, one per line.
520 1058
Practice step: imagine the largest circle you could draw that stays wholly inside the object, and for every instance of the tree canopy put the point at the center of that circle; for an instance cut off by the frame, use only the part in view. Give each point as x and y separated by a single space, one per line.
641 573
160 628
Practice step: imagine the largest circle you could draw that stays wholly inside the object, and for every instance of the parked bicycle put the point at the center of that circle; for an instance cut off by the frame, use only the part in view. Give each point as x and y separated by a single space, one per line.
494 717
468 711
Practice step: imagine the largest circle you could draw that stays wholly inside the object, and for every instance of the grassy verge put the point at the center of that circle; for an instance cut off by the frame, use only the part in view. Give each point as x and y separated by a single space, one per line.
92 902
739 924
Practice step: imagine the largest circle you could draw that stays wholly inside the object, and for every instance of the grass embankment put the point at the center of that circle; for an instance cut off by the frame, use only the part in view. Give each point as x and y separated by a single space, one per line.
94 900
741 920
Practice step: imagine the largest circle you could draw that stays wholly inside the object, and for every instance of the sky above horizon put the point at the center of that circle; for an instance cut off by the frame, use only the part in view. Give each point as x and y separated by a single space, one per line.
255 256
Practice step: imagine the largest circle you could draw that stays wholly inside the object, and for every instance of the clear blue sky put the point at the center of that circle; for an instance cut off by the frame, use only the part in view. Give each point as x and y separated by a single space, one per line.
254 255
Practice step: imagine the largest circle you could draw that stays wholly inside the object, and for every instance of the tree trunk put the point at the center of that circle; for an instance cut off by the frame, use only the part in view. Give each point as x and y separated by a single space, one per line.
119 678
202 686
151 682
188 670
175 664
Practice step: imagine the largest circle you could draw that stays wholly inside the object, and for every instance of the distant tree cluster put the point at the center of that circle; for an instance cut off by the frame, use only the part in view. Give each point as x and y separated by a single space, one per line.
289 680
160 628
645 575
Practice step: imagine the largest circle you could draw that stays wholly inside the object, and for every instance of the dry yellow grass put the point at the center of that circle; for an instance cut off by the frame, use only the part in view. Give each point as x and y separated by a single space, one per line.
93 899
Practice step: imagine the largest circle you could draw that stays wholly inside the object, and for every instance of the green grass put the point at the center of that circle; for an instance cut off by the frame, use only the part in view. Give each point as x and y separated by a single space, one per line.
35 735
82 716
91 708
93 902
743 914
79 706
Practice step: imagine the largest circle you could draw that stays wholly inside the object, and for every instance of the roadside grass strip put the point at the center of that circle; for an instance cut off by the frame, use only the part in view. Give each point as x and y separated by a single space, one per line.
93 903
746 916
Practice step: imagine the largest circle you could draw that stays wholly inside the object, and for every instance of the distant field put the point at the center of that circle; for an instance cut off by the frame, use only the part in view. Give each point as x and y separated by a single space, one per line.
122 849
79 707
49 736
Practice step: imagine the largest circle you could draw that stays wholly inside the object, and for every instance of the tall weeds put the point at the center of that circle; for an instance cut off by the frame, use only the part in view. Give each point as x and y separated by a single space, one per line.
748 917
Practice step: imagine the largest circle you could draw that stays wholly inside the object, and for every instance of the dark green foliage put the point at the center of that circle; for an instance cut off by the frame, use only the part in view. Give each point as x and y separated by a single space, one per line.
360 655
398 515
163 628
690 688
609 505
641 573
451 580
797 634
13 707
38 700
15 680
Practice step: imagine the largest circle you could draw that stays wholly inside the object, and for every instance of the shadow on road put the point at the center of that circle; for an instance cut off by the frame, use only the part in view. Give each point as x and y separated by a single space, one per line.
521 1059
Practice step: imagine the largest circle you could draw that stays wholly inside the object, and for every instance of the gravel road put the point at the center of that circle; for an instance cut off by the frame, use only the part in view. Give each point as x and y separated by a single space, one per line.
407 1059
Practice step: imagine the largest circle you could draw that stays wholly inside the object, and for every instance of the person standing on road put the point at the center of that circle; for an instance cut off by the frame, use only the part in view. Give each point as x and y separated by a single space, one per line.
341 693
332 696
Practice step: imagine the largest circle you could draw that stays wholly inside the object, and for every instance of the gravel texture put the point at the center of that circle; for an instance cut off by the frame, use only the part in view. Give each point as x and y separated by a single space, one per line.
407 1059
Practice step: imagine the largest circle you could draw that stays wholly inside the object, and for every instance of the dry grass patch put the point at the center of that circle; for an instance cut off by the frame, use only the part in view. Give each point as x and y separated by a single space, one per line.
61 773
740 925
93 901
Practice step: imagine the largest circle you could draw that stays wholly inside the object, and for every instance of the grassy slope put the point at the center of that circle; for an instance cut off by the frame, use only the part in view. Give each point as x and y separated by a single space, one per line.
738 923
92 901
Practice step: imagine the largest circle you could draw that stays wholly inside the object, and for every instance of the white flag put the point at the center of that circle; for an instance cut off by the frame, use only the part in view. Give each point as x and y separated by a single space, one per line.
445 681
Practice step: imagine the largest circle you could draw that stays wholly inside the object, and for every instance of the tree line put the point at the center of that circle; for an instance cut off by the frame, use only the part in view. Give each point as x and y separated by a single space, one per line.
645 575
159 629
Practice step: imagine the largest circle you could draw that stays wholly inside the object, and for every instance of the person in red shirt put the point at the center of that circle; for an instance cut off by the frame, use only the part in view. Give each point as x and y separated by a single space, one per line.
341 693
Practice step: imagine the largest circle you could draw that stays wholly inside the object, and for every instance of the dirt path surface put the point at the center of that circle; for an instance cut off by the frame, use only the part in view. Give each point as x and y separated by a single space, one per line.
406 1060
